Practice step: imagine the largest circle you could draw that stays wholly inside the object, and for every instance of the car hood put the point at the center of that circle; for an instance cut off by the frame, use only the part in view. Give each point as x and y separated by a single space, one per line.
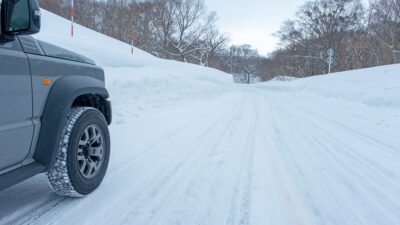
58 52
38 47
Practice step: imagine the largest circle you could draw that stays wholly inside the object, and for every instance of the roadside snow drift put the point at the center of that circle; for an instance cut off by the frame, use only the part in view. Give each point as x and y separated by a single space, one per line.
189 147
379 86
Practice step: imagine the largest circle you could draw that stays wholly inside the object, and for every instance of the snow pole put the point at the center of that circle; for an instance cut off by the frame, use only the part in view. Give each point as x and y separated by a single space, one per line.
231 56
72 18
207 53
132 43
330 60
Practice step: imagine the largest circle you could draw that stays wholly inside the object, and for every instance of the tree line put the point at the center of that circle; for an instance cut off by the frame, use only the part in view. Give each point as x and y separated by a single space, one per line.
173 29
360 37
183 30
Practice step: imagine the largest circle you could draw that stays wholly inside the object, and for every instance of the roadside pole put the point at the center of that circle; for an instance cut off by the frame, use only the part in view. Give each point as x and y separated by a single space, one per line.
72 18
231 58
330 60
132 43
207 54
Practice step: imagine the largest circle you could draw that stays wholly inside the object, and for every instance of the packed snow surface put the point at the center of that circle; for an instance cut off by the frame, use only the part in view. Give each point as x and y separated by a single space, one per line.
189 147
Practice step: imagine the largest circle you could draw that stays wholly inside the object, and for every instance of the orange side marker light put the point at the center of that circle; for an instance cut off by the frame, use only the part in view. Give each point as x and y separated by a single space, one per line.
46 81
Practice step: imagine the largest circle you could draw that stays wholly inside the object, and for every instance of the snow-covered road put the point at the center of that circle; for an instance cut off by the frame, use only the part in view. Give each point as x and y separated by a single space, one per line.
247 155
191 148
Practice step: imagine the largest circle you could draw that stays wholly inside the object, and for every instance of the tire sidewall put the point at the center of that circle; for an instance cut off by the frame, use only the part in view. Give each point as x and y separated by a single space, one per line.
81 184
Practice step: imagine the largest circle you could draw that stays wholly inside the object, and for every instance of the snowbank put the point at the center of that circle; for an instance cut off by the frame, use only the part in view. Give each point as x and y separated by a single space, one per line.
109 52
378 86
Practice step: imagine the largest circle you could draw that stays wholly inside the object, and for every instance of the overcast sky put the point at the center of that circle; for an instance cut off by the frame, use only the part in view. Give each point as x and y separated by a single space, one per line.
253 21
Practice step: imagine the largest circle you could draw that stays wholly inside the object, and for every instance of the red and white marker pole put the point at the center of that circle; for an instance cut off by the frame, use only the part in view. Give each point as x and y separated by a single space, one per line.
72 18
207 54
132 43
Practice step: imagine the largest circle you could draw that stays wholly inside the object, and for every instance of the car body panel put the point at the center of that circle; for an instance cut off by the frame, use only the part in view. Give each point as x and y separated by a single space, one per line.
52 68
16 126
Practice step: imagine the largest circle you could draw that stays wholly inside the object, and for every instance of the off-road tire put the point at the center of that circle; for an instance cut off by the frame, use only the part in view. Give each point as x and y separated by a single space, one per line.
66 177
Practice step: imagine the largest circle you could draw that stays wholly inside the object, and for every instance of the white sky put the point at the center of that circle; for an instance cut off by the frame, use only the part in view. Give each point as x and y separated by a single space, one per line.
253 21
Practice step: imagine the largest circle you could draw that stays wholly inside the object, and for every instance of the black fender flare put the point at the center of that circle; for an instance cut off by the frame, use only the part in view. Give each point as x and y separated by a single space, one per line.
59 102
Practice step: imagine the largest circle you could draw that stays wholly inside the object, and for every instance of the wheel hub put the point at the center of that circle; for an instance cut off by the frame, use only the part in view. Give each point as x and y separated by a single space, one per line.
90 151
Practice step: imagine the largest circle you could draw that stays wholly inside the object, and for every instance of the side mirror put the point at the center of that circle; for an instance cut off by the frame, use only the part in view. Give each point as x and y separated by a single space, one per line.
20 17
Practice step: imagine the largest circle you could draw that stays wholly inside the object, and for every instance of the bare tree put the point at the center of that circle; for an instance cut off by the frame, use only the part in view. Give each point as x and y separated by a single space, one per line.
385 24
210 42
320 25
246 63
189 29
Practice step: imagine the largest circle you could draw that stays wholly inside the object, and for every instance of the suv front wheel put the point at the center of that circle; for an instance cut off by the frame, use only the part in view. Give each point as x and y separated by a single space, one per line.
84 154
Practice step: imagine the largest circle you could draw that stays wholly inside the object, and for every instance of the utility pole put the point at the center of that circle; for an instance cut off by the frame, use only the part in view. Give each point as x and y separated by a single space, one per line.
72 18
330 60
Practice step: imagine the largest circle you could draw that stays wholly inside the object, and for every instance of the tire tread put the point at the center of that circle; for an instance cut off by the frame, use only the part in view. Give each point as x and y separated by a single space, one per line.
59 177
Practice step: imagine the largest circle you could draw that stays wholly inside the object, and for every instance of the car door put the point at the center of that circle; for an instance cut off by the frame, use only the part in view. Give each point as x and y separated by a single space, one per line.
16 126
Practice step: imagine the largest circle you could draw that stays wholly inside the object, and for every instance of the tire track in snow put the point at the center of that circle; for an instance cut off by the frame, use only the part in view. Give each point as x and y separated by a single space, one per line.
347 170
284 113
215 191
240 203
293 196
341 171
40 211
168 175
165 138
347 153
53 210
191 191
159 209
369 134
